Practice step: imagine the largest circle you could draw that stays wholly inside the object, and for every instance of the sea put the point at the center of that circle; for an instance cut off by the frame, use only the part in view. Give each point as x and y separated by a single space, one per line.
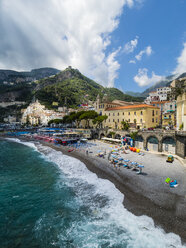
50 200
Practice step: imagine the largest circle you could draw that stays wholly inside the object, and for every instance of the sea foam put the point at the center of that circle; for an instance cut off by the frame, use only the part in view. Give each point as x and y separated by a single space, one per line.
111 225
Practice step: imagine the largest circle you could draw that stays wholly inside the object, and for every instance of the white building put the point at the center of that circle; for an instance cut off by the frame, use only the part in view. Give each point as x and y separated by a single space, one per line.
163 92
36 114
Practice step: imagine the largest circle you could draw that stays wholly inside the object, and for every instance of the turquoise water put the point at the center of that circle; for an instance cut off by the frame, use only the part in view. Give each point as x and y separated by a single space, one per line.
51 200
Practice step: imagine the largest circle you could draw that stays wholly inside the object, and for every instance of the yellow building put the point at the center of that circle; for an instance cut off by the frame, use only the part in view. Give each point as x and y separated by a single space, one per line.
181 112
138 116
168 119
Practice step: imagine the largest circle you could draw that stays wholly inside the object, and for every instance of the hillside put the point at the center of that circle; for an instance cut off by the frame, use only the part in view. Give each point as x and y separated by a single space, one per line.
162 83
14 77
74 88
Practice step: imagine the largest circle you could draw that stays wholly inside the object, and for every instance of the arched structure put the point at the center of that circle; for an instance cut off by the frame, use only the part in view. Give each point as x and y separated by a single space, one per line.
152 143
169 144
102 135
117 136
139 142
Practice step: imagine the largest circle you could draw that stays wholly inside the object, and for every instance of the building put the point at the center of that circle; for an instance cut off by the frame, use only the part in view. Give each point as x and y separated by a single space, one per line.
166 107
168 119
153 97
138 116
161 94
181 112
10 119
178 92
36 114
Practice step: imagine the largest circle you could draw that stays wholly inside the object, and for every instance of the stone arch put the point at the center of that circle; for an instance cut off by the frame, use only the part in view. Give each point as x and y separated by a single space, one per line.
102 135
168 144
139 141
109 135
95 136
117 136
152 143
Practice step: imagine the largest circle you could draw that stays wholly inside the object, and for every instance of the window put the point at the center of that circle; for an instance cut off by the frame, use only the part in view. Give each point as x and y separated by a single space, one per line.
109 114
156 112
134 113
123 119
152 119
109 120
123 113
152 112
169 116
156 120
103 105
141 120
118 120
170 106
129 113
118 114
141 112
129 120
113 114
113 120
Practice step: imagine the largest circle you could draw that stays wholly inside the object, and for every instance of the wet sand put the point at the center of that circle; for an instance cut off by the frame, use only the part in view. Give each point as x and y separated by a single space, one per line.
145 194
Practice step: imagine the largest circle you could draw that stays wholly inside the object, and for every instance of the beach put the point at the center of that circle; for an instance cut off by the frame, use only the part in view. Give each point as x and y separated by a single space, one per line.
146 193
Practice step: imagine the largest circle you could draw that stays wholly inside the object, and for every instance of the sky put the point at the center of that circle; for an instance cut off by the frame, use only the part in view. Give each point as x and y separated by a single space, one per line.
128 44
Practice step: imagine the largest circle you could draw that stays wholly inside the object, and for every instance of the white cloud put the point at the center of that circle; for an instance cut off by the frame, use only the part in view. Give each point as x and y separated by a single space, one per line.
147 51
181 61
59 33
142 78
131 45
113 67
132 61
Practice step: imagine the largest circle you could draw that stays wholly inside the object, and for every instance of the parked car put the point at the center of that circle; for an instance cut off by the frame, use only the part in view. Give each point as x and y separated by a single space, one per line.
150 128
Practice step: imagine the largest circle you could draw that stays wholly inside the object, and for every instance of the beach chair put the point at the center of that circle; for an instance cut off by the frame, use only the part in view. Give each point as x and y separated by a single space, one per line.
140 169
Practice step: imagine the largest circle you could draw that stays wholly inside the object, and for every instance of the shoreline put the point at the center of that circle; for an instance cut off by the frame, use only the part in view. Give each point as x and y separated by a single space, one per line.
167 208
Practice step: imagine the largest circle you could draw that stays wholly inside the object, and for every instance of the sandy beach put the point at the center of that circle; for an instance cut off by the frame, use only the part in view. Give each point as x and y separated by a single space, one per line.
146 193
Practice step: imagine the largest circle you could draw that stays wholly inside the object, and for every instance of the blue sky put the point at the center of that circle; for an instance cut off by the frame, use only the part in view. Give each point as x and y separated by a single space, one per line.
159 24
128 44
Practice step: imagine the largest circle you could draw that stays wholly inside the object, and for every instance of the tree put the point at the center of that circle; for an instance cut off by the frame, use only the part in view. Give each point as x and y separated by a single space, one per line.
77 117
27 120
99 120
181 127
111 134
133 135
56 121
87 116
125 125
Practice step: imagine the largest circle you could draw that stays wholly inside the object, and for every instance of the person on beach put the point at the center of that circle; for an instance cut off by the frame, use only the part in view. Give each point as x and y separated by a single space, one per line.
87 152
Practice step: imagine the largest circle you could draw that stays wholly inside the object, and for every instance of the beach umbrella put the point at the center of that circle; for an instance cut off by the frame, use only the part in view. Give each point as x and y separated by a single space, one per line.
140 166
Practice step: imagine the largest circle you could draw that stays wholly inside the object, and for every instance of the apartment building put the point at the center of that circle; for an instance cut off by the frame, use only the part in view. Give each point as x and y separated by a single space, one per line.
138 116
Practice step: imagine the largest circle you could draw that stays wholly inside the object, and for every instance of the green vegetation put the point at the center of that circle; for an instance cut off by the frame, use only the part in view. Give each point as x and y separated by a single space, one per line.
181 127
71 88
111 134
87 116
125 125
133 135
99 120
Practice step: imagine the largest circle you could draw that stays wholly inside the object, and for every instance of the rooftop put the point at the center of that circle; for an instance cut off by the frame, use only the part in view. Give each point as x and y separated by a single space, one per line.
132 107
